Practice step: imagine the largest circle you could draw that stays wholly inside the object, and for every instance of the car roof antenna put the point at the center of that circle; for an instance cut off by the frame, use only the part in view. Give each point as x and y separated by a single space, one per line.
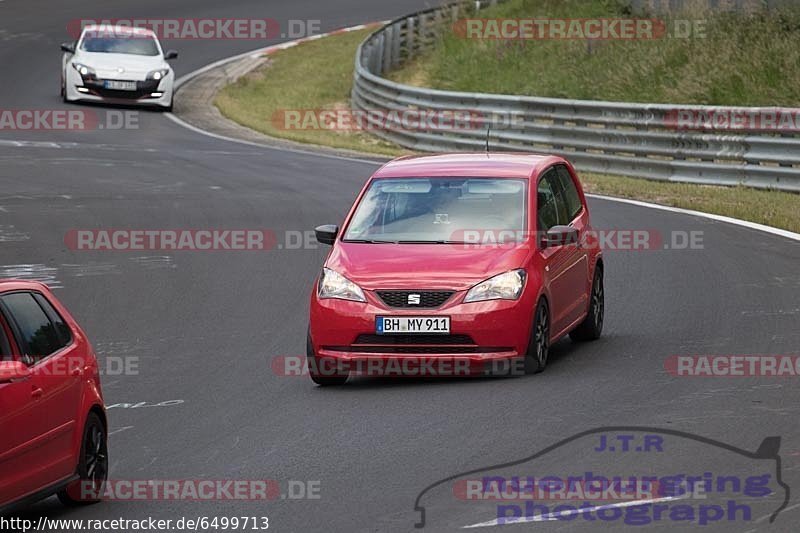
488 131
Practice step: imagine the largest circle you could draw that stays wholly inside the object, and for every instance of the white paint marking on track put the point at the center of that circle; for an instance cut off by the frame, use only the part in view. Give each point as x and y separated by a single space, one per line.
720 218
553 516
195 129
255 54
120 430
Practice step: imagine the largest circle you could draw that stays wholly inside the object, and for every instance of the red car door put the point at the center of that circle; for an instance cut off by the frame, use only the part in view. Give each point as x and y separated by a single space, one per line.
54 384
23 424
62 374
555 258
565 265
577 275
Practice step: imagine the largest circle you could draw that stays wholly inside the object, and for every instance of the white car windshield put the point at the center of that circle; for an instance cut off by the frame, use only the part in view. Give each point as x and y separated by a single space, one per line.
135 45
438 210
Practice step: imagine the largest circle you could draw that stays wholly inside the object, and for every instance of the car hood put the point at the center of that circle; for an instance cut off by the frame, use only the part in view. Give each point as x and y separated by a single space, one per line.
111 62
423 266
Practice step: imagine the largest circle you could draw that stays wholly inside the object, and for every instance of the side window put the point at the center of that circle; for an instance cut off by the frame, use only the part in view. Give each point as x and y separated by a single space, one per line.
64 333
546 204
5 346
569 192
37 336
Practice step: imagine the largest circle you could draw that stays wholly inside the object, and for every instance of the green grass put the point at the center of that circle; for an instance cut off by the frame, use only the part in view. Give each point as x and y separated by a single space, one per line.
319 75
747 60
313 75
772 208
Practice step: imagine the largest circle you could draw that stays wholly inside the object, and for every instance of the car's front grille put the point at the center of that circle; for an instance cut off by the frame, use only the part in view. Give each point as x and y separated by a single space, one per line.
414 339
143 88
418 299
416 344
416 349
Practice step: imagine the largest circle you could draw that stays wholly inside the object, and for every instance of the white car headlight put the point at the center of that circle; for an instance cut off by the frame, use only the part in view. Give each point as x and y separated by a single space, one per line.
334 285
505 286
83 70
158 74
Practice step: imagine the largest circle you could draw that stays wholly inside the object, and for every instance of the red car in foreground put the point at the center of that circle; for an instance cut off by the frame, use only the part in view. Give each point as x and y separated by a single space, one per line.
52 418
451 263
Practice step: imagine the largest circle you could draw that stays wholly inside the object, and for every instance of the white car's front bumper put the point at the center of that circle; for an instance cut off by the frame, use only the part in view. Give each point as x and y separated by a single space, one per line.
149 92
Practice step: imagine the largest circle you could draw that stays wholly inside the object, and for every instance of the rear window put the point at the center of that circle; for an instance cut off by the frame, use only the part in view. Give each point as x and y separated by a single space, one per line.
39 337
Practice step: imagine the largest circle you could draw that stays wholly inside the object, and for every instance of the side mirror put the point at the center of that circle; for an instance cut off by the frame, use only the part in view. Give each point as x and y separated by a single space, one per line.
68 47
171 54
11 371
326 234
560 236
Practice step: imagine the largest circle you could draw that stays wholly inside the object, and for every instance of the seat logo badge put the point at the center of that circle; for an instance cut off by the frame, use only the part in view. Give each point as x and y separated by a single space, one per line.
413 299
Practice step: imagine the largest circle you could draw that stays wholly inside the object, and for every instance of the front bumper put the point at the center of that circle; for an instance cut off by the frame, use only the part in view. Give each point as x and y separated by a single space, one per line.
148 92
492 334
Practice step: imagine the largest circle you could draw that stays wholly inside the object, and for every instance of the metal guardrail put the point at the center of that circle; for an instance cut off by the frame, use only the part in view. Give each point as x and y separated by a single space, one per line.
626 139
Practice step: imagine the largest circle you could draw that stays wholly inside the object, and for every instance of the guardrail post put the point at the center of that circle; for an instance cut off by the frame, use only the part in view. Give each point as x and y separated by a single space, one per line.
387 48
410 38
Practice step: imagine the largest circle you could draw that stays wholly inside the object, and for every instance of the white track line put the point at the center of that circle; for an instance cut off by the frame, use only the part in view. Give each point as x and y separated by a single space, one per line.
730 220
552 516
256 53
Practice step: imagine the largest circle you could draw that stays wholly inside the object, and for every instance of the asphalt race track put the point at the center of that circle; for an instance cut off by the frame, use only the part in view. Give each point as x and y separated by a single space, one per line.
205 326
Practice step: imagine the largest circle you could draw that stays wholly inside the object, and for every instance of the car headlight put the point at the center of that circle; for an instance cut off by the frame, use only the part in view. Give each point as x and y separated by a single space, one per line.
83 70
158 74
505 286
334 285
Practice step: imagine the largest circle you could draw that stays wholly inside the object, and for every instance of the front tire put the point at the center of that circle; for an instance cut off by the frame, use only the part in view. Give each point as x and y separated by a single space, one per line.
539 344
92 464
339 378
592 326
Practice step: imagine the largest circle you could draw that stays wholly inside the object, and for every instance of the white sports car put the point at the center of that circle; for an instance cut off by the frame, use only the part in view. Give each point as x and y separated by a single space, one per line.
117 64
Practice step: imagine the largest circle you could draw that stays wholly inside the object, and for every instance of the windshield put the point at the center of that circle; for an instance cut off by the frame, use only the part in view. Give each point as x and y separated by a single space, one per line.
438 210
138 45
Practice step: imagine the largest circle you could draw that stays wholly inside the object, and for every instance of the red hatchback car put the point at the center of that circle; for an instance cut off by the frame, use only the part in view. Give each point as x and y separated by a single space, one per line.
467 259
52 416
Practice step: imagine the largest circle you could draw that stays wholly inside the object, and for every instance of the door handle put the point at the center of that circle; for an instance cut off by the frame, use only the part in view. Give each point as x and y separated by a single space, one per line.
37 393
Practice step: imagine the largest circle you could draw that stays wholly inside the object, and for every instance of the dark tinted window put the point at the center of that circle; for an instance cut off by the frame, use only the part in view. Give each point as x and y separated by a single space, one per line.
5 347
64 333
546 204
38 336
569 192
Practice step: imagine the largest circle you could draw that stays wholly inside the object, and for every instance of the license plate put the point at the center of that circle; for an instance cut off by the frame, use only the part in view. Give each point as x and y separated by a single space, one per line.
120 85
412 324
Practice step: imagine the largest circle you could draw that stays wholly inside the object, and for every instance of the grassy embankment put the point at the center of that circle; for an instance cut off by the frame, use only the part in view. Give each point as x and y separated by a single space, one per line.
739 61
